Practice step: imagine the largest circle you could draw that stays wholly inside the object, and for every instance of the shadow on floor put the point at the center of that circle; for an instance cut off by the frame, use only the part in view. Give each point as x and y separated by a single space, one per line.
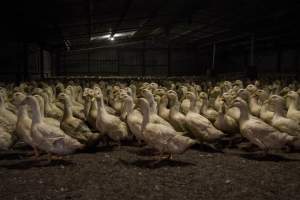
146 151
268 157
30 163
15 155
153 164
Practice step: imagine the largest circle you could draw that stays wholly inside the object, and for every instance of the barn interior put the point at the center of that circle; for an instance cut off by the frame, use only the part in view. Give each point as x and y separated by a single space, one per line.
139 99
148 38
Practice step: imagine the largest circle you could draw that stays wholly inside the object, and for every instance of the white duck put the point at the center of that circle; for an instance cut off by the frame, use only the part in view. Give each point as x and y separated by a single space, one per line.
48 120
107 123
280 122
162 138
200 127
74 127
224 122
260 133
153 110
177 119
8 122
163 111
46 137
209 113
23 127
133 117
293 112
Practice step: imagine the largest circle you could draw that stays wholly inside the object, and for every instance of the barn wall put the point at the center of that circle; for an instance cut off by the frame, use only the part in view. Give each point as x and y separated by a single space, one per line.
11 59
20 61
135 60
266 61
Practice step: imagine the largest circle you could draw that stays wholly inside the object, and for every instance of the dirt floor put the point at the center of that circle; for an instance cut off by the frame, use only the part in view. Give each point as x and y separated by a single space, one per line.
129 173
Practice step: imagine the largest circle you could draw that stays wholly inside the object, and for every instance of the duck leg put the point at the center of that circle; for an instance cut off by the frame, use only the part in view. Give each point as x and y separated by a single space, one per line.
53 157
36 153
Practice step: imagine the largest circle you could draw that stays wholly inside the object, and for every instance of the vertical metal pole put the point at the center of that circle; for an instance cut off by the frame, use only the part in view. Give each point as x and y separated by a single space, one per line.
88 61
252 50
64 65
41 62
143 59
118 61
25 67
169 60
213 57
279 53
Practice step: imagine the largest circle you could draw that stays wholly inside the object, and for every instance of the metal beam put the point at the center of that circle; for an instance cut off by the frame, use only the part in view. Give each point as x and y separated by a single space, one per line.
123 15
90 17
151 15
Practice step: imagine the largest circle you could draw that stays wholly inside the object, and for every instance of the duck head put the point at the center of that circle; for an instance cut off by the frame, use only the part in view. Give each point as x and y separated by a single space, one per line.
239 103
276 100
18 97
293 95
191 96
251 88
244 94
203 95
29 100
62 96
143 104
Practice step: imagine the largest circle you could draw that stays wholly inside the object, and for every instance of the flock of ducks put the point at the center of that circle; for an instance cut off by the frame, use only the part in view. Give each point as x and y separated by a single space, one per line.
60 119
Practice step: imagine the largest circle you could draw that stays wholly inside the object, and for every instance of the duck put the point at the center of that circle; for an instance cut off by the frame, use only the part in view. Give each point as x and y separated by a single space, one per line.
253 104
217 93
49 120
279 121
259 132
153 109
200 127
206 111
8 121
23 126
48 138
133 117
163 111
177 119
71 90
50 110
293 112
109 124
75 127
224 122
185 103
92 113
78 111
161 137
87 102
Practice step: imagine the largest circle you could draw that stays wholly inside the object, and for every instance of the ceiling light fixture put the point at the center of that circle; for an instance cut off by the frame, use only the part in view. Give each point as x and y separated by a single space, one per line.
116 35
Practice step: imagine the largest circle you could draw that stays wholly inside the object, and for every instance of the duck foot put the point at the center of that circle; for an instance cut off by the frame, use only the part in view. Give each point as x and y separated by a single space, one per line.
36 154
53 157
161 158
212 147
